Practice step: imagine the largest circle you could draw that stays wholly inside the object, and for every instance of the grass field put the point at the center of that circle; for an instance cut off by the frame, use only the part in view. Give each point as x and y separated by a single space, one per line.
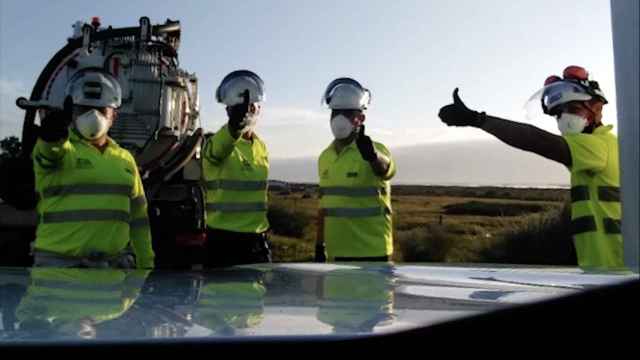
446 224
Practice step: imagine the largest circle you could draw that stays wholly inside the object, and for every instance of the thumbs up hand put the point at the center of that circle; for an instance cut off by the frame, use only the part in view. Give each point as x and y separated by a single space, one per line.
458 114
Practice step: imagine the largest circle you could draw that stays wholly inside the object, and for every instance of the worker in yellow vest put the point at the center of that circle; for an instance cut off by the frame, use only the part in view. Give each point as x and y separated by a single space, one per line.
67 302
356 301
231 300
92 206
586 147
235 169
354 221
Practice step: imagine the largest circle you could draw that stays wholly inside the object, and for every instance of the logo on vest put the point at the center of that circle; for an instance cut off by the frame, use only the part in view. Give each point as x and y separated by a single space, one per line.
352 174
83 164
325 174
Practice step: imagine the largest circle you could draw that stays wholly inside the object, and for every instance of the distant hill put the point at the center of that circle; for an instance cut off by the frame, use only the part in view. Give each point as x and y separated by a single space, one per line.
477 163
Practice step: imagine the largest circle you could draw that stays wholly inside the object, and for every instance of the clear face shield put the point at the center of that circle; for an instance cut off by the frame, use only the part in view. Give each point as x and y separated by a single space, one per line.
549 100
234 84
345 94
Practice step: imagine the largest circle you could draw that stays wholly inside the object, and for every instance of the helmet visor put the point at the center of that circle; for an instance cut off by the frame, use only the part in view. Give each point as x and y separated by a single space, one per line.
547 101
364 98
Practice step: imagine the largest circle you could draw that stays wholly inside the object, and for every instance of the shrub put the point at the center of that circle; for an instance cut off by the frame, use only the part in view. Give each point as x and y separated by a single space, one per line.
541 239
428 243
287 222
285 249
492 209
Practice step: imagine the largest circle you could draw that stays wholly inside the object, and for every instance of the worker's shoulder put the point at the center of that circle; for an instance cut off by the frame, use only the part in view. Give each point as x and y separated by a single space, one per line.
259 142
584 138
608 136
380 146
326 152
41 144
120 152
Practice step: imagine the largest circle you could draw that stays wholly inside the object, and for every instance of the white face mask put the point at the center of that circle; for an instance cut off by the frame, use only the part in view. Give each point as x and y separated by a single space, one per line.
571 124
92 124
250 121
341 127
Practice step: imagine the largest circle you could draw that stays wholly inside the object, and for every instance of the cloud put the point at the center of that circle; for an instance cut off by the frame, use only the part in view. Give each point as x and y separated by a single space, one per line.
295 139
294 132
272 118
407 136
10 115
472 163
380 131
279 116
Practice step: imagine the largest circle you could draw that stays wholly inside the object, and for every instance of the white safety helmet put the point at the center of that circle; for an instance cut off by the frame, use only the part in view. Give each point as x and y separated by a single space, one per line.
236 83
94 88
574 85
346 94
560 93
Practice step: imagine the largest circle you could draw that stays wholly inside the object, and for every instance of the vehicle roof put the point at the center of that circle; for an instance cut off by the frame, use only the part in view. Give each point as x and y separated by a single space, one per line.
298 299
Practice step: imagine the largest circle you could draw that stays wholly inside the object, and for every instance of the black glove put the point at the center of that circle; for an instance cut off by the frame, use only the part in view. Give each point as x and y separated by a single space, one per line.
54 126
365 146
238 112
320 255
458 114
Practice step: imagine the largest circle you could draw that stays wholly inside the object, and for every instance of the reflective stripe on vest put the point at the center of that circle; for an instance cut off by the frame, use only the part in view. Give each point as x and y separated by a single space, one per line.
237 207
605 193
236 185
583 224
139 223
609 193
588 223
47 299
84 215
611 226
67 285
87 189
351 191
579 193
352 212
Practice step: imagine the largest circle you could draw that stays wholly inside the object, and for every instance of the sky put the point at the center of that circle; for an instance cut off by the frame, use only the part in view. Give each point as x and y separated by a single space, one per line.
411 54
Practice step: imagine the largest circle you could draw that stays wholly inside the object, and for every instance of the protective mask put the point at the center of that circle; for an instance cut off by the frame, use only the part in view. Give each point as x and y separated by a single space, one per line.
250 121
341 127
571 124
92 124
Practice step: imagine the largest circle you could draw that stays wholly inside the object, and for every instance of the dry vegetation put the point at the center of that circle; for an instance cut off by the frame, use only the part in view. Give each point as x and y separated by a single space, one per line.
446 224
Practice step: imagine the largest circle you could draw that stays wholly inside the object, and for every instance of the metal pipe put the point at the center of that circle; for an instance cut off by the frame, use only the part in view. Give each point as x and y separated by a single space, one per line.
625 30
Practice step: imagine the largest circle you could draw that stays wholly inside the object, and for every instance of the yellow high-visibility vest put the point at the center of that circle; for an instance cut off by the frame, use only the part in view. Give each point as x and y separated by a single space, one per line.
595 198
90 201
235 173
356 203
